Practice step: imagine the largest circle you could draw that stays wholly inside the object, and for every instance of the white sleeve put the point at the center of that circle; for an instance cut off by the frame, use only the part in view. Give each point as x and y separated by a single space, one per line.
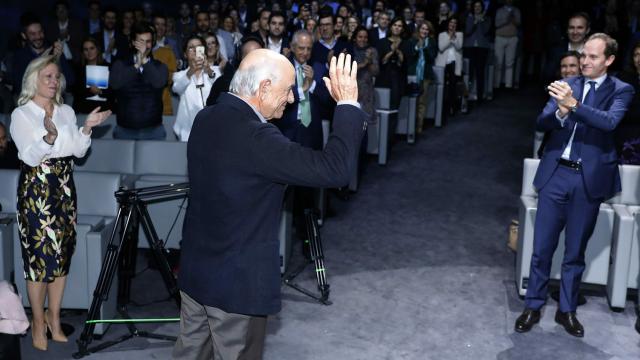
222 47
180 82
81 142
32 148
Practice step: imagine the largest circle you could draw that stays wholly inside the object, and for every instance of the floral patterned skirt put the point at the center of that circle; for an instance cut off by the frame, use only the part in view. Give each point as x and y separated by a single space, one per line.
47 218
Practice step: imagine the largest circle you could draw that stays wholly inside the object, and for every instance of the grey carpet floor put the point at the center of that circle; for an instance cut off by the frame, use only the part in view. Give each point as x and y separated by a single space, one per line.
417 262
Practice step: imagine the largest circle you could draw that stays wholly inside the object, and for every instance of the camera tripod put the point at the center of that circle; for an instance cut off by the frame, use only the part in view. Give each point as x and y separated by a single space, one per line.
317 257
121 255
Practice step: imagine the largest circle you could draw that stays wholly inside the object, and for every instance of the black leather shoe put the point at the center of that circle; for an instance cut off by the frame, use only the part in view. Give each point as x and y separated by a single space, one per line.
527 319
638 324
570 323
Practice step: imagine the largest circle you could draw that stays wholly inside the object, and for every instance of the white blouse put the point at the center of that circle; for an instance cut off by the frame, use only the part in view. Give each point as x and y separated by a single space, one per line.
192 99
27 131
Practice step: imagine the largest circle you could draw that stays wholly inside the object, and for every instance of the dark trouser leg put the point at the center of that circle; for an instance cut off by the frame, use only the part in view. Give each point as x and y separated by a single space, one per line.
581 220
551 216
481 55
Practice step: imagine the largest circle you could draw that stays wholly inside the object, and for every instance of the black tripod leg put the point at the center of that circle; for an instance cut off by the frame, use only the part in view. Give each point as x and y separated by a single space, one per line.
158 253
105 279
317 254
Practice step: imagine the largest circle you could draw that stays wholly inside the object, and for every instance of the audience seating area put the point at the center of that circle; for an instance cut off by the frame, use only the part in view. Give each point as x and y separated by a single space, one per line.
610 258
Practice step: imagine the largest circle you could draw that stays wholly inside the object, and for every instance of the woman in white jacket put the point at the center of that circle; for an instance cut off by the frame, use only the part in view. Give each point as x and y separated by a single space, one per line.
193 85
450 57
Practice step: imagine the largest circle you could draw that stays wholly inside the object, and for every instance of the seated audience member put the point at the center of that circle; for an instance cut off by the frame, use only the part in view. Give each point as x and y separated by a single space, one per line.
570 64
91 55
569 67
300 122
277 39
111 41
165 55
476 45
249 43
203 27
393 51
128 19
229 25
8 151
35 45
578 27
450 57
366 56
138 81
423 51
326 46
507 23
628 131
65 30
193 86
214 59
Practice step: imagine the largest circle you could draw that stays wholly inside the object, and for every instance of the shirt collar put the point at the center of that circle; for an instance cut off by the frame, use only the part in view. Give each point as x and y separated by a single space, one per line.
262 119
328 45
598 81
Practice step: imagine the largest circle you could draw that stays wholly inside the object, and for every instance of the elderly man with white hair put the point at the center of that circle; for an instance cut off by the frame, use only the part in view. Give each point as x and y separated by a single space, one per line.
239 165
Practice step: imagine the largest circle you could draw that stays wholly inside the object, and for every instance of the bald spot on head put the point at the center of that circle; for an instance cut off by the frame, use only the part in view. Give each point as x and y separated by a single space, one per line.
268 58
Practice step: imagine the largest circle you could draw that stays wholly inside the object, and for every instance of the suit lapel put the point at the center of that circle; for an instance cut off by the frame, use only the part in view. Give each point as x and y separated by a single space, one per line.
603 92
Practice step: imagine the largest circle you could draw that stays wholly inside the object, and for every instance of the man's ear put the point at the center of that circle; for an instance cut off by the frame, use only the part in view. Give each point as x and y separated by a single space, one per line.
265 85
610 60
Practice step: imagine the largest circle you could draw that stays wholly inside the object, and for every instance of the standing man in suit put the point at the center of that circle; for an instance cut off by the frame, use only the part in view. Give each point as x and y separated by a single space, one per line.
277 39
111 41
238 167
381 31
578 171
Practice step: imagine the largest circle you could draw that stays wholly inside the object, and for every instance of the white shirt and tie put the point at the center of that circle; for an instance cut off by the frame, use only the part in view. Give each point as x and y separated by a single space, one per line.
566 154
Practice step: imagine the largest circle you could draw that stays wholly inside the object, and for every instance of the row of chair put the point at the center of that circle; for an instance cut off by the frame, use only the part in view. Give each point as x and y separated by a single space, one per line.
612 257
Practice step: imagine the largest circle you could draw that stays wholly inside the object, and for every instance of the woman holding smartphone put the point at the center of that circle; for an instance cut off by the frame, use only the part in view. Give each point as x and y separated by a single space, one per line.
193 85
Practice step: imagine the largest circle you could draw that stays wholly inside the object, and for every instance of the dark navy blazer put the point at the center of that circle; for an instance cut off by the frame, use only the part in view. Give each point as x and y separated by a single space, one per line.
598 153
238 168
291 127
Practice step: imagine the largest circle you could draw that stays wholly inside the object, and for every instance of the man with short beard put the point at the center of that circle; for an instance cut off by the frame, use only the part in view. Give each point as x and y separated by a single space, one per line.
110 40
36 45
263 21
203 27
276 41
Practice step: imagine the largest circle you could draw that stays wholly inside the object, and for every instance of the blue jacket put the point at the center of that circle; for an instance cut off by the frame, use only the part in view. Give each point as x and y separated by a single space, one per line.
598 153
238 170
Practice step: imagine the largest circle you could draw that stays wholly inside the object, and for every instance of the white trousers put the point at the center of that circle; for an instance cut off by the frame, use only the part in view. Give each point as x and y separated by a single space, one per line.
505 52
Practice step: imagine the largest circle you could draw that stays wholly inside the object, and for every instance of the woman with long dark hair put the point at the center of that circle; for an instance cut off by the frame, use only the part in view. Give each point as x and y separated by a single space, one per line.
393 64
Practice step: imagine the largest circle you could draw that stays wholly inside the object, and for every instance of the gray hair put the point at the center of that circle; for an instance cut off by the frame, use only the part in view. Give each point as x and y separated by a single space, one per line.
298 34
246 82
30 79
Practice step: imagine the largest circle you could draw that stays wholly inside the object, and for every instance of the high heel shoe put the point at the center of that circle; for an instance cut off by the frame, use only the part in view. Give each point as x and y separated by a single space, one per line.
58 337
39 343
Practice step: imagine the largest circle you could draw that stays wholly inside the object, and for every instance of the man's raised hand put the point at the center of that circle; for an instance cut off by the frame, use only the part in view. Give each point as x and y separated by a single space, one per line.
342 83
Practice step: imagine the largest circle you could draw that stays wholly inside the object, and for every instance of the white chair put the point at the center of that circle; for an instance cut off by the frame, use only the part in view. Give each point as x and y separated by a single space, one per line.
598 248
378 132
435 96
110 156
625 255
407 114
8 190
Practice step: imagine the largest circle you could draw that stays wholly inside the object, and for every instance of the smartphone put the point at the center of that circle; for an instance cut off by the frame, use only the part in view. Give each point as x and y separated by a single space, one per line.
200 52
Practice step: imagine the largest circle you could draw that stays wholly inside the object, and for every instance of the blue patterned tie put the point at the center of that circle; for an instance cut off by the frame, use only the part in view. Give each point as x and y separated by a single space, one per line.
589 100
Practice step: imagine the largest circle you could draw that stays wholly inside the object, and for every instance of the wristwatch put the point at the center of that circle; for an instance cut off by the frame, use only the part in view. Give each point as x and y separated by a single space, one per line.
574 107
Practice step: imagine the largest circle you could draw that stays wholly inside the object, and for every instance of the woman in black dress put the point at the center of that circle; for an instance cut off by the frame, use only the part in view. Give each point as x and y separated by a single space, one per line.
91 55
45 132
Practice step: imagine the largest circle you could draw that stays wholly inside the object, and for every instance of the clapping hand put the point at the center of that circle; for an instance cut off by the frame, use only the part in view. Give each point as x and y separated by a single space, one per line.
95 118
308 77
342 83
561 91
52 131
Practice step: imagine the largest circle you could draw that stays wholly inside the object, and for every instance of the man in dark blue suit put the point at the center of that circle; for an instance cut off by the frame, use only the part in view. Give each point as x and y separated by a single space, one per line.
239 166
578 171
300 121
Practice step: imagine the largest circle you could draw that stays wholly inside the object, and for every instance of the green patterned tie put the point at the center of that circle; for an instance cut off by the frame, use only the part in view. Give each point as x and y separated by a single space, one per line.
305 108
